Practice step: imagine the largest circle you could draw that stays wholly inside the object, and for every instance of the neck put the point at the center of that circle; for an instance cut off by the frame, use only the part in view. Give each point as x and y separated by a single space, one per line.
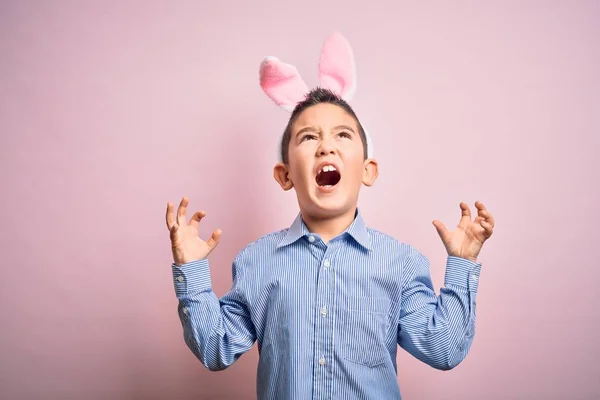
329 227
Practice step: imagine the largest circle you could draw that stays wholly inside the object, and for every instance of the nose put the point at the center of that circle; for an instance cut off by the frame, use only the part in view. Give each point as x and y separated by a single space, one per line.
326 147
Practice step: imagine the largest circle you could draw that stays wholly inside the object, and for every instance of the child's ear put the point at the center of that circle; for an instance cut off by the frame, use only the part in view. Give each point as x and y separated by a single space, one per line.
282 176
371 172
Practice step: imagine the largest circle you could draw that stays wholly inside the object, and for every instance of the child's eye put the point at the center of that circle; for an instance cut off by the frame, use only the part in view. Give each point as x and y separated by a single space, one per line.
305 137
345 134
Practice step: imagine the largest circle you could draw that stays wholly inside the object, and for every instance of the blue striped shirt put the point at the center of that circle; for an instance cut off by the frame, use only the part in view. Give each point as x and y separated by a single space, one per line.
328 318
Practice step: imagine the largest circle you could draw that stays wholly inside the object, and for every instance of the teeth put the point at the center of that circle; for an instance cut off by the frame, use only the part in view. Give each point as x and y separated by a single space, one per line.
328 168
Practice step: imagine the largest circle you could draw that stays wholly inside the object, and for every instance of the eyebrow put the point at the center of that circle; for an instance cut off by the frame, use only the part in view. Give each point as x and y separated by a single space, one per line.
311 129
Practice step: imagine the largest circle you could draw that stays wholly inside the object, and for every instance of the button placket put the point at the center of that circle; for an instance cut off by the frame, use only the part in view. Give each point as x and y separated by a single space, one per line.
325 314
323 300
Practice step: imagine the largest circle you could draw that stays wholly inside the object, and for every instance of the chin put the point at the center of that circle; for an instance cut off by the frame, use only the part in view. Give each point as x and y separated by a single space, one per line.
329 207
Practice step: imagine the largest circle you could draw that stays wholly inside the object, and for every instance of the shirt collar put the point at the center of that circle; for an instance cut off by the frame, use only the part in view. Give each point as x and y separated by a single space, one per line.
357 230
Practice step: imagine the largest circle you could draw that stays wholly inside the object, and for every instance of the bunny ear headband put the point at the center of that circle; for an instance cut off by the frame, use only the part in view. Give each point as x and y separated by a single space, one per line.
337 72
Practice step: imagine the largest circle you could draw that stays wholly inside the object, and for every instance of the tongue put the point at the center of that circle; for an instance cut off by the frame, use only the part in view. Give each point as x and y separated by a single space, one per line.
328 178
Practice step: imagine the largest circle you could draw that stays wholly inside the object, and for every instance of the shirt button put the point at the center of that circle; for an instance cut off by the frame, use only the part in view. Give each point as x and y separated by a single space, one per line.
322 361
180 278
326 263
324 311
185 310
311 238
474 277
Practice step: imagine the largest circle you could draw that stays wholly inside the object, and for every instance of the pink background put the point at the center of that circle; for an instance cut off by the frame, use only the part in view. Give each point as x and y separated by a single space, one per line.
108 111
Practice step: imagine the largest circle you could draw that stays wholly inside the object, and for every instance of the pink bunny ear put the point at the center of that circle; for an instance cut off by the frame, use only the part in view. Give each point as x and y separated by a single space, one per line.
282 83
337 70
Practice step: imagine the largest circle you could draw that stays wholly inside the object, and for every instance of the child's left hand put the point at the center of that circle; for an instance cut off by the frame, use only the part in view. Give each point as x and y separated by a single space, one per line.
468 238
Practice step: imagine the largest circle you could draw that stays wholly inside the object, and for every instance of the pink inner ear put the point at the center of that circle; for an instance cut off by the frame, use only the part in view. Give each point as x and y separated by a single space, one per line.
282 83
336 66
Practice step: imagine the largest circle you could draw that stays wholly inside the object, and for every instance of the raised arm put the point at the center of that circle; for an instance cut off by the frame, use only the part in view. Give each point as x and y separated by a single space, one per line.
217 331
439 330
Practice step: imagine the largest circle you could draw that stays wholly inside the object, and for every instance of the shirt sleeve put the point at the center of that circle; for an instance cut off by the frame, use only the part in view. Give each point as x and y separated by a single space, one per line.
438 329
217 331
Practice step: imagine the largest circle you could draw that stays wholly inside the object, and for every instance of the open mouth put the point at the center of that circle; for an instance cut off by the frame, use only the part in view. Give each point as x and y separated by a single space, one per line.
328 176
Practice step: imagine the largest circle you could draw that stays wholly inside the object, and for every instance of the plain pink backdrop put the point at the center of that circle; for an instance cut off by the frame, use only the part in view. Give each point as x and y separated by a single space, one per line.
110 109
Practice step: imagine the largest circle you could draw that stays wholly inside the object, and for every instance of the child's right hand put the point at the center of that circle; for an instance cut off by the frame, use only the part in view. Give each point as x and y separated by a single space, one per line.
185 242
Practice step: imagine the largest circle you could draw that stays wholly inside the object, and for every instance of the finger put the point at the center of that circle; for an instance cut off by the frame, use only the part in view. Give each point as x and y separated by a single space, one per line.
465 213
441 229
214 240
170 218
487 227
173 232
196 218
181 211
484 213
482 210
481 216
480 206
487 216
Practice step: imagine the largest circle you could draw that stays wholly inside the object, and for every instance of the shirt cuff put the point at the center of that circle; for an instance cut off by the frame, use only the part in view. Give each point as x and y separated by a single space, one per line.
462 272
191 277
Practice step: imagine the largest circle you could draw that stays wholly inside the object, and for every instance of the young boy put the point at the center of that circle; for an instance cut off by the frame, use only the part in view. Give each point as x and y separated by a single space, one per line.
328 299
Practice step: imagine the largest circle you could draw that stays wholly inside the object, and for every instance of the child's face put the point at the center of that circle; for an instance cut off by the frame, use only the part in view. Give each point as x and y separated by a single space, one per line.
326 136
